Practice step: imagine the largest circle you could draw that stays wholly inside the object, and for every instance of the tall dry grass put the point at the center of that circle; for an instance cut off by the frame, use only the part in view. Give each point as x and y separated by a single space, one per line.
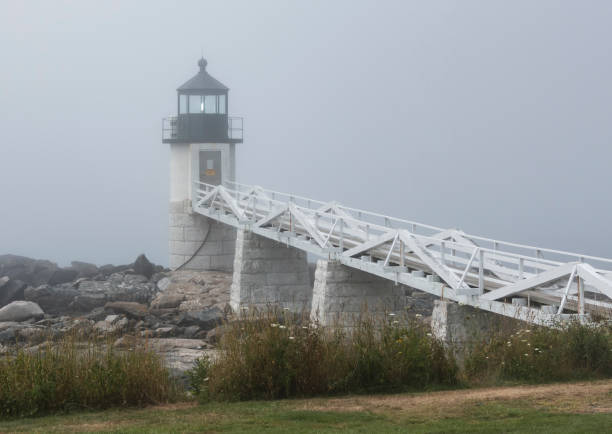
272 355
534 354
75 374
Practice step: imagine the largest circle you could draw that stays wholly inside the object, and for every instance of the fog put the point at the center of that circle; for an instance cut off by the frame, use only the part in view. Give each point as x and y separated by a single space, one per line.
492 117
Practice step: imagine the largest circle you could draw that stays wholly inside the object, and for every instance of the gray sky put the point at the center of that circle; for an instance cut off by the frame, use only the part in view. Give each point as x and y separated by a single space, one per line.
493 117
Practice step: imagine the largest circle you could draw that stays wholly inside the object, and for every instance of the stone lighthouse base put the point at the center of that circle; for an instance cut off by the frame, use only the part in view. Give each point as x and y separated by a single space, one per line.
198 243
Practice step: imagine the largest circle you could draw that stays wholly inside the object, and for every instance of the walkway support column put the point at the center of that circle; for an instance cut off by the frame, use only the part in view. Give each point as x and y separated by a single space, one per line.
458 325
341 294
268 273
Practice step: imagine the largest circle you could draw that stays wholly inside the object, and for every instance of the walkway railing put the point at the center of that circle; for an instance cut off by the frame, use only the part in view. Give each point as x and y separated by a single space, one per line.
531 283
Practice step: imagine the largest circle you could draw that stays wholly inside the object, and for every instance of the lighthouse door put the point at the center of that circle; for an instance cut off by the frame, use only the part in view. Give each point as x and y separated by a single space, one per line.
210 167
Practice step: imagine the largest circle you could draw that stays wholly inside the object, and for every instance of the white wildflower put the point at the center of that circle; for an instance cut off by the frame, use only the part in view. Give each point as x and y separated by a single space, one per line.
291 337
282 327
418 315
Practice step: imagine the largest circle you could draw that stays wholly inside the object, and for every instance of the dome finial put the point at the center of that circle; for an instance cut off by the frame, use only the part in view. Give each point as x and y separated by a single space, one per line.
202 64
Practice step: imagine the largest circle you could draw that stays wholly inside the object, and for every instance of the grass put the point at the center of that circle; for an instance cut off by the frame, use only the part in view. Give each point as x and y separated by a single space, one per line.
271 355
74 374
541 354
574 408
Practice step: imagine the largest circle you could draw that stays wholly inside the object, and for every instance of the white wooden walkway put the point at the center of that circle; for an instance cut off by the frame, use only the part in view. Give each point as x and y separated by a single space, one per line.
547 285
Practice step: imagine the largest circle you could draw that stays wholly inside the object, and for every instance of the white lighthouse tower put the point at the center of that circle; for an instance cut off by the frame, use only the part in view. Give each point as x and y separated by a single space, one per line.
202 140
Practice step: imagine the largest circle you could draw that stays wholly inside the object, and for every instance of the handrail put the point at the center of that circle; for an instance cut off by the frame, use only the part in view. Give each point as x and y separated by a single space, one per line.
430 239
579 256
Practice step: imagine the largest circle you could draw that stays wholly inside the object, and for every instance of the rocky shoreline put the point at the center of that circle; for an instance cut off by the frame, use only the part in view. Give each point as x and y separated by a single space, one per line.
178 312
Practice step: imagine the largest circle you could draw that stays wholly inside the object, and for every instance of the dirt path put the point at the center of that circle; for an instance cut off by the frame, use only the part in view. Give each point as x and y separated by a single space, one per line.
586 397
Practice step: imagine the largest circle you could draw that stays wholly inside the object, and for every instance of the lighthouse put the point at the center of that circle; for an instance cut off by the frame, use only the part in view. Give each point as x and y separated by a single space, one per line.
202 138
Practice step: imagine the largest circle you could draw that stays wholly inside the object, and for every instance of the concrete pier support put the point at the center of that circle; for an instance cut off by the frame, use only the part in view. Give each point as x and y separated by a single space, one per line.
269 273
341 294
457 325
188 230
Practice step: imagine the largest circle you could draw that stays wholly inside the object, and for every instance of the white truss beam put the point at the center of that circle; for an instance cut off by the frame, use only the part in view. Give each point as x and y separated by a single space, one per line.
540 279
369 245
441 270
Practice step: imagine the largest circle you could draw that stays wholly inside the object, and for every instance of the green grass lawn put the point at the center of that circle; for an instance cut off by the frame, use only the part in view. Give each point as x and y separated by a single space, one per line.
576 409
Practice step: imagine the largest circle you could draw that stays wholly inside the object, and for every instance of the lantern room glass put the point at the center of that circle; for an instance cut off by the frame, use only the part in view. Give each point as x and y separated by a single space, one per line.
208 104
196 104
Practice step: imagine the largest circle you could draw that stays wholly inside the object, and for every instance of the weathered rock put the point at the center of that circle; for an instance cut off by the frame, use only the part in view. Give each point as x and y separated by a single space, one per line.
166 332
11 290
20 311
82 325
54 300
97 314
214 336
157 276
201 289
7 336
7 324
111 324
120 287
3 281
162 284
167 301
33 334
191 331
33 272
164 313
84 269
205 319
62 275
108 269
130 308
179 354
143 267
88 302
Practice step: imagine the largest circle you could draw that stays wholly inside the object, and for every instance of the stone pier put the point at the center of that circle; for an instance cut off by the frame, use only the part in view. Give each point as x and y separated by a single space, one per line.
457 325
341 294
190 232
269 273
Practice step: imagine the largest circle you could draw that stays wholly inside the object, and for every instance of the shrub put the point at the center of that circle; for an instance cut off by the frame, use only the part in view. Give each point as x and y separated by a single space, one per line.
540 354
272 355
67 374
198 376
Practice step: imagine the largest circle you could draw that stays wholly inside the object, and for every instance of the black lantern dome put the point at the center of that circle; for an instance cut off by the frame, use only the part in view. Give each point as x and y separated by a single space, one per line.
203 83
202 108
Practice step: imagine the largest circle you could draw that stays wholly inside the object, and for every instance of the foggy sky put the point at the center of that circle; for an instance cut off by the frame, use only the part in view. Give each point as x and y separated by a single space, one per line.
489 116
